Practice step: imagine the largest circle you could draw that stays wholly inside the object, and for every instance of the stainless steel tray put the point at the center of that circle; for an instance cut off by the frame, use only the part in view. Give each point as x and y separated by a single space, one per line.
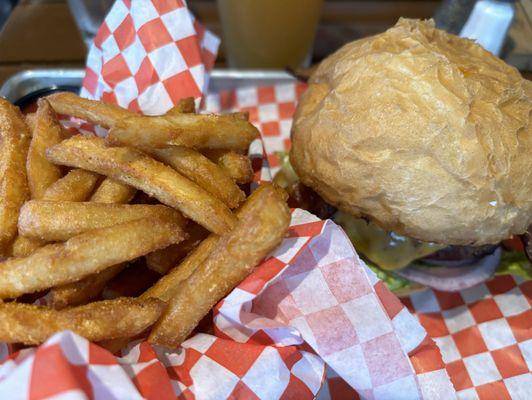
34 81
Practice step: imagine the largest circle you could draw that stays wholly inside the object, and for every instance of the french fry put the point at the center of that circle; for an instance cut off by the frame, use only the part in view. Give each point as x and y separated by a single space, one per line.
184 106
198 131
30 120
111 191
168 285
89 288
202 171
77 185
32 324
45 133
163 260
85 254
84 290
237 166
96 112
134 168
54 221
14 142
262 223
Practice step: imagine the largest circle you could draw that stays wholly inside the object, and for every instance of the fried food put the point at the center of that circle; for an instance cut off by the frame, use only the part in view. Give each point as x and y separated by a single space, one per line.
84 290
198 131
46 132
136 169
14 142
165 259
112 191
168 285
263 222
237 166
202 171
77 185
32 324
96 112
184 106
86 254
58 221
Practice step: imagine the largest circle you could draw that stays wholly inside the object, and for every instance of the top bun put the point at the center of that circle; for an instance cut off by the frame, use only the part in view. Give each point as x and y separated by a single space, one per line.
425 133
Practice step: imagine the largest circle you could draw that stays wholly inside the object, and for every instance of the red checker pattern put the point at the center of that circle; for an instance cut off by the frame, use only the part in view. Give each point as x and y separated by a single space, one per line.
125 33
115 70
223 352
189 48
485 310
153 34
510 361
47 382
493 390
179 83
459 376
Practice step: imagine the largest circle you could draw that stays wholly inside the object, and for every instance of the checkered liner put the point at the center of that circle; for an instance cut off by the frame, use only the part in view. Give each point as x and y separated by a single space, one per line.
149 54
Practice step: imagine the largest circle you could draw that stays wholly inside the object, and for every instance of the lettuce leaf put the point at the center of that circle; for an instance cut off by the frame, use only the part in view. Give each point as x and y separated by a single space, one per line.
515 263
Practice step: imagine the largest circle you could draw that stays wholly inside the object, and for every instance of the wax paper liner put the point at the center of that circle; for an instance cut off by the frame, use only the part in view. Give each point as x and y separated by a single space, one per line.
149 54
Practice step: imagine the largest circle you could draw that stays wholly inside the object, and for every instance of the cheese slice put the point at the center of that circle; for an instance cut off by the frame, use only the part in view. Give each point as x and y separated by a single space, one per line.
388 250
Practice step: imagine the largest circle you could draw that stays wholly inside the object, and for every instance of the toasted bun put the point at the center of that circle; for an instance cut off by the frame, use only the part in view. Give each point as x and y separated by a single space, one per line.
425 133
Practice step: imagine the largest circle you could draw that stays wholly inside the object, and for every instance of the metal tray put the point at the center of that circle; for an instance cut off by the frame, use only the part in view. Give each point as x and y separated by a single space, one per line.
27 85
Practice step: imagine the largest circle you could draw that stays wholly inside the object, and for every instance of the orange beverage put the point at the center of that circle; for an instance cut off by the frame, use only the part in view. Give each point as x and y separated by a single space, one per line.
269 33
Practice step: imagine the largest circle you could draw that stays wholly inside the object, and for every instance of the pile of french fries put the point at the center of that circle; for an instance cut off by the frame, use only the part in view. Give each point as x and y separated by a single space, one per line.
154 211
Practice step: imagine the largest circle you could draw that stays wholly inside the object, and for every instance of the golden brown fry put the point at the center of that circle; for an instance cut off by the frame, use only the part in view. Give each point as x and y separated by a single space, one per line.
31 324
30 120
184 106
89 288
14 142
23 246
77 185
262 224
202 171
168 285
85 254
55 221
92 111
165 259
199 131
237 166
45 133
84 290
134 168
111 191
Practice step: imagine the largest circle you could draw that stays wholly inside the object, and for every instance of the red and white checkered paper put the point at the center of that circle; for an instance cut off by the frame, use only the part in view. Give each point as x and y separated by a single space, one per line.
148 54
312 320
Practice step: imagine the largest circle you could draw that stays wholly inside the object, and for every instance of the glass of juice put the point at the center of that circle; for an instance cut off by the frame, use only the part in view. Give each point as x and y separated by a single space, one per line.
269 34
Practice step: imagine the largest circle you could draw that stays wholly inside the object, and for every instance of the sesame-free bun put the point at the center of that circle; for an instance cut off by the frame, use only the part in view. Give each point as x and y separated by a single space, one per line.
423 132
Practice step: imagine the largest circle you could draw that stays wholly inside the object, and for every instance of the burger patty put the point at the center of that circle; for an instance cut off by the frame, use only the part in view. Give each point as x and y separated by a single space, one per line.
458 256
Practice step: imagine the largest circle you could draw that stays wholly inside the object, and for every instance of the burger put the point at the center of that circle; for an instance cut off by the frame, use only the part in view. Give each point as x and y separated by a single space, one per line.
420 144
